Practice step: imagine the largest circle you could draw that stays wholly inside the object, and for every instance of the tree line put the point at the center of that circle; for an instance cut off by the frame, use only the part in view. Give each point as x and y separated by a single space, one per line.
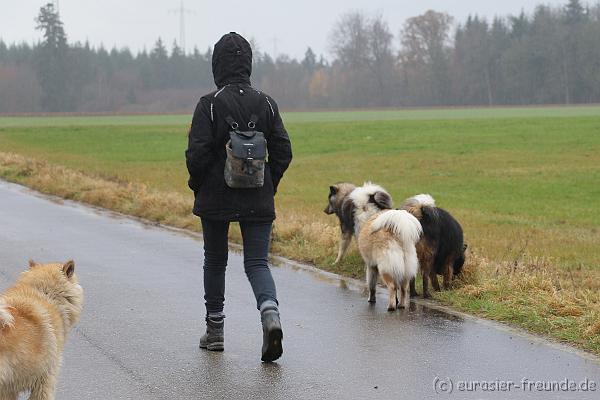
550 56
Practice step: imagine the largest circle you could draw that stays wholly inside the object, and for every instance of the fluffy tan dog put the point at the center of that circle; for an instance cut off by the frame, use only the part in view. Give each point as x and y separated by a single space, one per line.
387 242
35 316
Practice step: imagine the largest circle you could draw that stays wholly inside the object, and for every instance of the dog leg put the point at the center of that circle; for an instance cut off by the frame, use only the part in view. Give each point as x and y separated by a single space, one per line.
390 282
426 278
344 244
372 274
448 276
393 293
427 260
434 280
413 288
407 297
44 389
404 293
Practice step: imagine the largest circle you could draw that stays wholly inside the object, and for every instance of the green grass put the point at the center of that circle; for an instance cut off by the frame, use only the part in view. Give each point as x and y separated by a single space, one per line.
524 182
510 180
326 116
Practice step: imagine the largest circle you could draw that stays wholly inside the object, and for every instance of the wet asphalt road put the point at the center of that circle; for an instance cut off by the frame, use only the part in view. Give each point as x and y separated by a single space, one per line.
144 315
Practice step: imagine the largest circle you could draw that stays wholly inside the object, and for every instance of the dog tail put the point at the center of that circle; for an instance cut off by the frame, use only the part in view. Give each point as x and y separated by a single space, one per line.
401 224
407 228
6 318
420 200
419 205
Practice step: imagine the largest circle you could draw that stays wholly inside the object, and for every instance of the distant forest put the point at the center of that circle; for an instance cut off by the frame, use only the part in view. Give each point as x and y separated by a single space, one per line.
550 56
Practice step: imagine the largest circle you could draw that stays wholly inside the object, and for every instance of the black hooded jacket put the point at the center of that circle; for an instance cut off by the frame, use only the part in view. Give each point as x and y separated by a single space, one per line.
205 156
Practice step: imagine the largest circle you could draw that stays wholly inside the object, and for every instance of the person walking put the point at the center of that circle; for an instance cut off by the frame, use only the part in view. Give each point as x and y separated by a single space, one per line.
238 150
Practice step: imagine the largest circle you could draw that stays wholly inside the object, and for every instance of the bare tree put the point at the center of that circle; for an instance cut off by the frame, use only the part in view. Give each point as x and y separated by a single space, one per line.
364 47
349 40
425 41
381 57
426 37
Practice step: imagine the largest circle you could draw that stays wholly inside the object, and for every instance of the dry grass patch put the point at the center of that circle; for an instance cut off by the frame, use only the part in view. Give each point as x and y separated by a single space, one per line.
518 288
128 198
532 293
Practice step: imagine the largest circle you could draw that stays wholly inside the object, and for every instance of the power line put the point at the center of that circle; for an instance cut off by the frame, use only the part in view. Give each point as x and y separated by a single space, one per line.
274 47
182 11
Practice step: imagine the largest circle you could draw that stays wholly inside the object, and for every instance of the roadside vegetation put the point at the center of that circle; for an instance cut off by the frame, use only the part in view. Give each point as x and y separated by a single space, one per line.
523 183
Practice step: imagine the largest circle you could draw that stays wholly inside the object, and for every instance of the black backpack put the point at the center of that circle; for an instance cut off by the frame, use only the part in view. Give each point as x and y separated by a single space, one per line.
246 155
246 148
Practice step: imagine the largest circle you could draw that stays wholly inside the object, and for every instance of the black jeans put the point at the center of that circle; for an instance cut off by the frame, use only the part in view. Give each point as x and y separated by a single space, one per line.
256 237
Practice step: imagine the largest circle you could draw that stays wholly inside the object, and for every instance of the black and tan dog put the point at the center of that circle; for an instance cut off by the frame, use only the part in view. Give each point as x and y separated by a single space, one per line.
339 203
441 250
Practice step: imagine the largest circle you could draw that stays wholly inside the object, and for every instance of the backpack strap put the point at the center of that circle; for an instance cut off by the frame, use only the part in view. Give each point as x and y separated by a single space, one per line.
231 122
234 125
253 121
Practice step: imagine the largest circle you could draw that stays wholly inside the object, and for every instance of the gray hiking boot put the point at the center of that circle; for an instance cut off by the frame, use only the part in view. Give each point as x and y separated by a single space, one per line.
213 339
272 333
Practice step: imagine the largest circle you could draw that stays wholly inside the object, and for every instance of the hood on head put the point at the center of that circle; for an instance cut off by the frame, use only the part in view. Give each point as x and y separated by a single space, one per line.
232 60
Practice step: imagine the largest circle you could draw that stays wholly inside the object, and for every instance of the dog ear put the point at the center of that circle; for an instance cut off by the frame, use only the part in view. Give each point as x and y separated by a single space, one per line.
32 264
333 190
383 200
69 268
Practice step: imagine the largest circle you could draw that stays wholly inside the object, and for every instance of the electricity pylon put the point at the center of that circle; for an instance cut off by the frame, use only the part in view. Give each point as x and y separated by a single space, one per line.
182 11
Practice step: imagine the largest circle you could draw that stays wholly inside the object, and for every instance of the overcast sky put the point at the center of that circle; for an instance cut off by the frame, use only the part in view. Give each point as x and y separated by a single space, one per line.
278 26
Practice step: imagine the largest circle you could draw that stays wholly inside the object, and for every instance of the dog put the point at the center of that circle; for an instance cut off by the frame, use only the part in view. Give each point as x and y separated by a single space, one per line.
441 250
339 203
36 315
386 241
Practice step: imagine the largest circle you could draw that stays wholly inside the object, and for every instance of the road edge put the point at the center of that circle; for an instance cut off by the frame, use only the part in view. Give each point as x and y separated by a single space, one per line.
330 277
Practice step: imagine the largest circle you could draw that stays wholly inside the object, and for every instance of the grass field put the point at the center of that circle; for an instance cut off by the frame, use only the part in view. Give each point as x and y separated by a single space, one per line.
299 117
524 182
